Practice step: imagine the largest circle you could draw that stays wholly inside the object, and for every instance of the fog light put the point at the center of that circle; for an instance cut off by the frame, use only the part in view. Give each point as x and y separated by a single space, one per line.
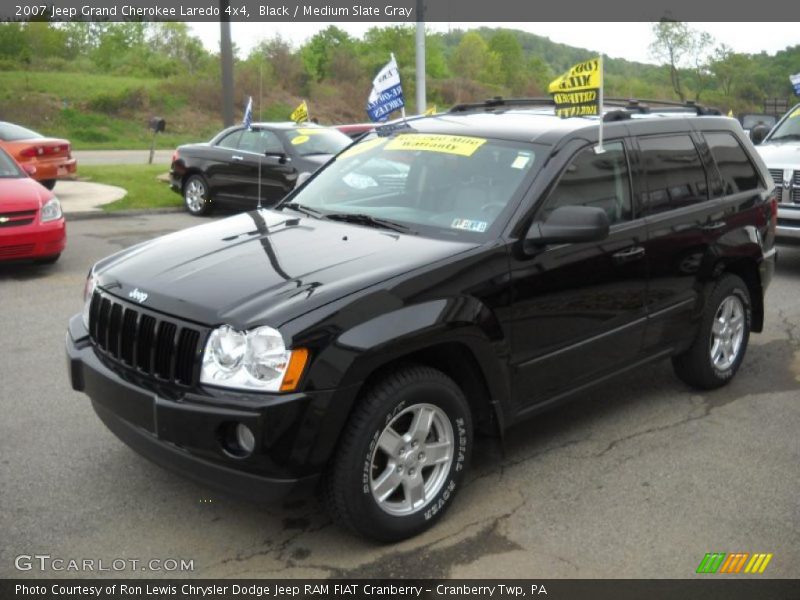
245 439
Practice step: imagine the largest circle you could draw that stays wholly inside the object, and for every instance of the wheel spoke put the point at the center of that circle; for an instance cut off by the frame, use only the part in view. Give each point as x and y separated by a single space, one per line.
421 425
414 489
390 442
387 482
437 452
717 327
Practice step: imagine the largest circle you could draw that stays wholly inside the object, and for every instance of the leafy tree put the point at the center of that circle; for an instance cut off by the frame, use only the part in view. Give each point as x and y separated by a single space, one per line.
318 52
510 60
470 57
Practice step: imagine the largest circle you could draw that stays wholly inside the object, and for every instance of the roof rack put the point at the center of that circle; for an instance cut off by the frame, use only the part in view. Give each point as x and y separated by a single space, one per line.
644 106
624 107
499 101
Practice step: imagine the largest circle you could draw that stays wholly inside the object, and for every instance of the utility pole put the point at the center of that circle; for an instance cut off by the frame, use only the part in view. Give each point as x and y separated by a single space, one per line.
422 104
226 60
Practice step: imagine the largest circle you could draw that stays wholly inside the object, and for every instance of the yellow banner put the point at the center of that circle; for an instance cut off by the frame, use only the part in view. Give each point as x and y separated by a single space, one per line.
577 92
446 144
300 113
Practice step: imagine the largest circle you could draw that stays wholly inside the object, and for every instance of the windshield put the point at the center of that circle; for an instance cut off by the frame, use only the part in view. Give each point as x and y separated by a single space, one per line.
750 121
308 141
11 133
788 129
439 183
9 168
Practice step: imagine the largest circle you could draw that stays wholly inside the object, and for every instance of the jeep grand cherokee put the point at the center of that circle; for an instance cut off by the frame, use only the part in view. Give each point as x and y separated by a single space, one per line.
444 274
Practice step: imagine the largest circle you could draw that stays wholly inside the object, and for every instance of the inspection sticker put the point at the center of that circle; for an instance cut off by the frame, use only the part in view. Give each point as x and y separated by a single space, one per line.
522 160
446 144
469 225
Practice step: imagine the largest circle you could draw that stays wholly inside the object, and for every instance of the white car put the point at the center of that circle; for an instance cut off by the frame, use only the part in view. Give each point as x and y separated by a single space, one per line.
781 151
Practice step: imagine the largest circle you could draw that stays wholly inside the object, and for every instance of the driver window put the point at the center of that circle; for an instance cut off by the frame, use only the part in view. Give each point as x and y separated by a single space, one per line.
599 180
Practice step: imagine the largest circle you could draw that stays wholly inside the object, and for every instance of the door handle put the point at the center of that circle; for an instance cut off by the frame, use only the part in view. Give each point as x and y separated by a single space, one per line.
237 157
713 226
629 254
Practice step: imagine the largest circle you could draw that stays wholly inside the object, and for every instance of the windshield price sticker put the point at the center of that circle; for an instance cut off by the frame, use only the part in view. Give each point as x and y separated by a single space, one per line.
300 139
362 147
445 144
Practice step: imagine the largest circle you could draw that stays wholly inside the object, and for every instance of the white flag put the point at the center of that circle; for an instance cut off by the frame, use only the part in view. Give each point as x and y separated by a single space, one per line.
387 93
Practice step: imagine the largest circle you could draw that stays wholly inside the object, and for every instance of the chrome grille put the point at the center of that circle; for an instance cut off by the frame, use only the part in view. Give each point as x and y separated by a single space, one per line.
777 176
796 190
146 342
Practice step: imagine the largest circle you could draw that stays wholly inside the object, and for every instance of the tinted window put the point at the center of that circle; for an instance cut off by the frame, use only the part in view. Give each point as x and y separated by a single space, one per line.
675 175
599 180
738 173
231 140
260 141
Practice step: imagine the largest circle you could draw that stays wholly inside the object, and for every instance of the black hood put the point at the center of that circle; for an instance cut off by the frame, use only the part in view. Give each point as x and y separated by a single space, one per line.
263 267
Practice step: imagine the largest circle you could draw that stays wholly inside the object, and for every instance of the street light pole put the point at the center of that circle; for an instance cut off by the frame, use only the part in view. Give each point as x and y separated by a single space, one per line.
226 60
422 104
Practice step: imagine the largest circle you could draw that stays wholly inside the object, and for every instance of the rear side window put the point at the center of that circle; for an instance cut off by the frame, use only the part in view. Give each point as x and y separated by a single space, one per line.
738 173
599 180
675 175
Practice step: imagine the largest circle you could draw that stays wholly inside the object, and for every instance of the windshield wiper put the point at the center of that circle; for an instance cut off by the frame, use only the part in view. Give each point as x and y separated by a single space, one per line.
369 220
313 212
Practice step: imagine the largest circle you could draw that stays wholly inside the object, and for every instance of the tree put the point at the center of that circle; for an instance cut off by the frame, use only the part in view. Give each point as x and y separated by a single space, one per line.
470 57
679 46
318 52
511 62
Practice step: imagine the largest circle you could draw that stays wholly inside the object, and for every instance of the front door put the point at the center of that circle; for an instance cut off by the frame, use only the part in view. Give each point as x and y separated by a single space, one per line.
579 309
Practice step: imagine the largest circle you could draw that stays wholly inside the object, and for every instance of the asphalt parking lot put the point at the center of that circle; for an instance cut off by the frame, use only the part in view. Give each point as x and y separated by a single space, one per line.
639 478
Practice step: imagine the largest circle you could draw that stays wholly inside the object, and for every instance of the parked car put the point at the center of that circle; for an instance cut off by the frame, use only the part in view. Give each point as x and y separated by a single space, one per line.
51 157
781 151
246 167
355 130
354 338
31 221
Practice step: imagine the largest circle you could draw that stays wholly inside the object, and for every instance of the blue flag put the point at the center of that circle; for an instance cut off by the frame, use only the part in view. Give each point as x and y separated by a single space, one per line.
795 79
248 113
387 93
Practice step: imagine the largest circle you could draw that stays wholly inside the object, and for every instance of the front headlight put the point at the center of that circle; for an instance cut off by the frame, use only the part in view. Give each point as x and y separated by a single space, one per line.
251 360
51 210
88 292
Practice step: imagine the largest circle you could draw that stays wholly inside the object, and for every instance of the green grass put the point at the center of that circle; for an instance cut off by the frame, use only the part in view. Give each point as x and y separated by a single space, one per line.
144 190
69 87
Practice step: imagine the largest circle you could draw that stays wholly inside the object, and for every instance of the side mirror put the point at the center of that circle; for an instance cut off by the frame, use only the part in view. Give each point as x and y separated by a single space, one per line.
568 225
282 157
29 169
758 133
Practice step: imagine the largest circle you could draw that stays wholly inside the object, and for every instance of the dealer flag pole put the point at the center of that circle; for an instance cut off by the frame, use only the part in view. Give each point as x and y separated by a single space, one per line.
600 148
402 108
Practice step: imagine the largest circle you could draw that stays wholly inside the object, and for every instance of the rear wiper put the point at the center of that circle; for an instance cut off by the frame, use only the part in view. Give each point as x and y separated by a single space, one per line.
313 212
369 220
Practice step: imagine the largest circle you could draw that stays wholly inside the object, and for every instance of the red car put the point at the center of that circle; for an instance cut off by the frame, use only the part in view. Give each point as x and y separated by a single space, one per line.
52 157
31 220
355 130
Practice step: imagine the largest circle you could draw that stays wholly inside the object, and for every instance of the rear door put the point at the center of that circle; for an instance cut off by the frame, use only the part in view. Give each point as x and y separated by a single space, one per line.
685 217
578 310
221 166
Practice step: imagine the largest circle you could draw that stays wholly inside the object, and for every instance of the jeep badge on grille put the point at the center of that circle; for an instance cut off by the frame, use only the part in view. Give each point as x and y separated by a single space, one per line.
138 295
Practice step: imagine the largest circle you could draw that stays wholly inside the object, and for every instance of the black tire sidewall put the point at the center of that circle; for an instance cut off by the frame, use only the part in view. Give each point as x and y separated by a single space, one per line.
731 286
380 524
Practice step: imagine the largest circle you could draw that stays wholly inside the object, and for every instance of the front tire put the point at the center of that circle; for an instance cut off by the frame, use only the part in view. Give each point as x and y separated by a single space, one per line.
720 346
196 197
402 455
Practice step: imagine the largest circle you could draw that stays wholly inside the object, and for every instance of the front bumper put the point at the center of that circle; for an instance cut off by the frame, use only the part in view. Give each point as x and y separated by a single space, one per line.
182 432
37 240
788 229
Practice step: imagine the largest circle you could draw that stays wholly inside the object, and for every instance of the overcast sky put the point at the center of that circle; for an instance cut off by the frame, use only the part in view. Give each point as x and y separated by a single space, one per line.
618 40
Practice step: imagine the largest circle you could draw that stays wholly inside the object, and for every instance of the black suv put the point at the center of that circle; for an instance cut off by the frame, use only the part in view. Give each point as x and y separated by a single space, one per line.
443 275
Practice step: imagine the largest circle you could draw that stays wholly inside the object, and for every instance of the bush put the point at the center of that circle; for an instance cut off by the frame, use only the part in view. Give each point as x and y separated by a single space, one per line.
118 102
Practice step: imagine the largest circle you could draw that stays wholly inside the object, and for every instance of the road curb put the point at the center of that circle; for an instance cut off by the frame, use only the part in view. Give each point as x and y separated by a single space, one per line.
102 214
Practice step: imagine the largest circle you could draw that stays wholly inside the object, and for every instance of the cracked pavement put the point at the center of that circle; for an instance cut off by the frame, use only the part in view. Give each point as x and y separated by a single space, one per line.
638 478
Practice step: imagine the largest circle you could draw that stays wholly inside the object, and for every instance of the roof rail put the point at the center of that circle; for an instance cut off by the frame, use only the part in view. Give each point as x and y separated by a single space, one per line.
500 102
642 105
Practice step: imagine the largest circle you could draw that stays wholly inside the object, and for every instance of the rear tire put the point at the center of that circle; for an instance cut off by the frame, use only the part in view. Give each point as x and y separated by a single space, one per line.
48 183
402 455
720 346
196 197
